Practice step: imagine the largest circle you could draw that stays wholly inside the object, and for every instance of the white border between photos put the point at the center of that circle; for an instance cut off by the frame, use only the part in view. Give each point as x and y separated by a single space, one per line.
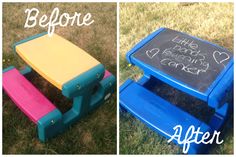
118 76
1 79
118 1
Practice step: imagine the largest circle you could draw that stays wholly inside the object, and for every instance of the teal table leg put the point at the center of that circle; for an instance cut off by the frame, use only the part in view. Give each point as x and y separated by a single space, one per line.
83 103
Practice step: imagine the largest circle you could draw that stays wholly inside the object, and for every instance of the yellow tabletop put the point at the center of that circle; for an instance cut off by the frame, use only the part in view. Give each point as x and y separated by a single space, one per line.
55 58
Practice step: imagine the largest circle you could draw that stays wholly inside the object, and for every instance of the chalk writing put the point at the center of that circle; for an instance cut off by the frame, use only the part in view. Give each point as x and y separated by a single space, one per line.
192 135
192 61
185 42
220 57
184 55
152 52
54 19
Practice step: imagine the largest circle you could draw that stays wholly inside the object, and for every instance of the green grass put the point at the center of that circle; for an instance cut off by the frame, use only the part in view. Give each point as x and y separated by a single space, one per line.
95 133
209 21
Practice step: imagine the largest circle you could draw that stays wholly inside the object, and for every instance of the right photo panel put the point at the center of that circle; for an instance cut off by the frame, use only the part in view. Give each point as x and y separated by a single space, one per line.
176 78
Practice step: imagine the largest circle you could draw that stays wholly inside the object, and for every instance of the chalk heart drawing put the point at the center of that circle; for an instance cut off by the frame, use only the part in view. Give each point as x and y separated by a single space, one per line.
220 57
153 52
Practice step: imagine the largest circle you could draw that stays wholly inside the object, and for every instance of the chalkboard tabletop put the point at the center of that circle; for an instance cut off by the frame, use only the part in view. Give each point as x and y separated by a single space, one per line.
192 61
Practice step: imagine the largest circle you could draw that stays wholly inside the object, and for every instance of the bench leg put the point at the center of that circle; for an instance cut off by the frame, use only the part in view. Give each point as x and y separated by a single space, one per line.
219 117
27 69
50 125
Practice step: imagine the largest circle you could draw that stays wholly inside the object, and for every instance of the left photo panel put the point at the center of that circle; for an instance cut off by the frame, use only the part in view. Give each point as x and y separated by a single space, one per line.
59 78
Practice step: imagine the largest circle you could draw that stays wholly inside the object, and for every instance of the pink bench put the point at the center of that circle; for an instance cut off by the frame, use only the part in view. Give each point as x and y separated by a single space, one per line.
34 104
30 101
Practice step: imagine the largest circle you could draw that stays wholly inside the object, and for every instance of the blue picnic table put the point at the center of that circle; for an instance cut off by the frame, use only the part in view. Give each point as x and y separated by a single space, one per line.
196 67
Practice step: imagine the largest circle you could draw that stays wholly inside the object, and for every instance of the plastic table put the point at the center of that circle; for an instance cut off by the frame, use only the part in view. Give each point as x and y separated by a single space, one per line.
79 76
196 67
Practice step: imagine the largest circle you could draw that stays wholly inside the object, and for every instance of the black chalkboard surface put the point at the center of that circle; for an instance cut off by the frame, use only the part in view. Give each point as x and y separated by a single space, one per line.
187 59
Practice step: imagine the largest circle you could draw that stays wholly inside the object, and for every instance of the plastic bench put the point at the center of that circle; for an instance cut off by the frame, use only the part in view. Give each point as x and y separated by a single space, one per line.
33 103
194 66
79 76
154 111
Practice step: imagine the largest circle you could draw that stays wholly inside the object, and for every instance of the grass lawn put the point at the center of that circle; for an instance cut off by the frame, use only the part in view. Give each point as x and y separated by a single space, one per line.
95 133
209 21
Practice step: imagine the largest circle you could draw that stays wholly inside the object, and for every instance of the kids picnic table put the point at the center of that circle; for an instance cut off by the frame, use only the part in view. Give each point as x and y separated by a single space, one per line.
194 66
79 76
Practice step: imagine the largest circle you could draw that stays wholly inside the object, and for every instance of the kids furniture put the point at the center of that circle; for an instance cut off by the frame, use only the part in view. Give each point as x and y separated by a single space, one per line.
78 75
194 66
